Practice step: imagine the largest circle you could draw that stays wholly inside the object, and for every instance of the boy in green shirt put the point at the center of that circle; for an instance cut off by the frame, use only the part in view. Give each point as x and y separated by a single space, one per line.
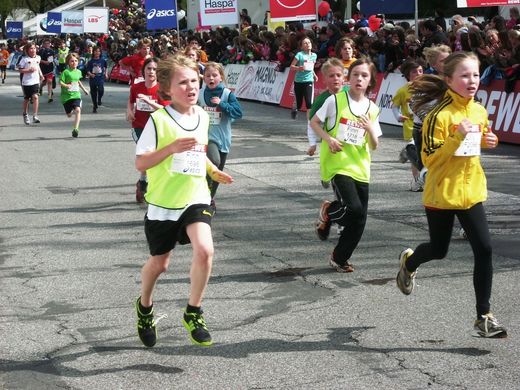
70 81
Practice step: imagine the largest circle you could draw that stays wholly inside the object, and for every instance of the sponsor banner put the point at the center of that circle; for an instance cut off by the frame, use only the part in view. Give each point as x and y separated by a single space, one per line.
485 3
54 22
41 25
14 29
218 12
95 20
503 109
374 7
161 14
260 81
232 74
289 10
72 22
389 86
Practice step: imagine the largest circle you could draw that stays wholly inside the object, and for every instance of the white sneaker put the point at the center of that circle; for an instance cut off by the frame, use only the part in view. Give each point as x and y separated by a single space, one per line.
415 186
422 176
26 119
36 119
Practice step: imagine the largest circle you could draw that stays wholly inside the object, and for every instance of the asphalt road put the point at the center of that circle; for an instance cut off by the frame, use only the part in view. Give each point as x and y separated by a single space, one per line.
72 245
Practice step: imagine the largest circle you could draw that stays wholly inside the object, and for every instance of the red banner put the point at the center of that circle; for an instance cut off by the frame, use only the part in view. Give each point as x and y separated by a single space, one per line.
289 10
485 3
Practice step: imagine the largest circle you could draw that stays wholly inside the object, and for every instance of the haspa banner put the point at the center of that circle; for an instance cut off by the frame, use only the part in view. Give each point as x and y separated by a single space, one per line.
485 3
289 10
218 12
72 22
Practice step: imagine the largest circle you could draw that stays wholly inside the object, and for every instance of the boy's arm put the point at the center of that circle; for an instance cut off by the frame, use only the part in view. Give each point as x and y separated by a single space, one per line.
82 87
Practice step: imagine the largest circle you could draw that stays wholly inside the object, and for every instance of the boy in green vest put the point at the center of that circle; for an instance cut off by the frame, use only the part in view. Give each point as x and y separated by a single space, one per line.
172 151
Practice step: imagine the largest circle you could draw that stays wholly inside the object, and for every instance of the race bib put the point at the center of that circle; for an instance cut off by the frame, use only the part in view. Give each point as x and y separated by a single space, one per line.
351 132
141 105
50 59
215 115
308 65
96 69
470 146
74 87
191 162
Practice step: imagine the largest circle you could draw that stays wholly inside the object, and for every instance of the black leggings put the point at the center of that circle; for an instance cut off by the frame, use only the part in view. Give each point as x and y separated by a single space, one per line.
303 90
350 211
474 223
417 140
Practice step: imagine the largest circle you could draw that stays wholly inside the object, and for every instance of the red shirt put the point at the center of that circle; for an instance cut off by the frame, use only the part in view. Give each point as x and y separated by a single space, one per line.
143 111
136 62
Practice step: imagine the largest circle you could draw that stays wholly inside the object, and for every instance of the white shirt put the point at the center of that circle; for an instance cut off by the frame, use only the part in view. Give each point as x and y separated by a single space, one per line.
30 62
328 112
147 143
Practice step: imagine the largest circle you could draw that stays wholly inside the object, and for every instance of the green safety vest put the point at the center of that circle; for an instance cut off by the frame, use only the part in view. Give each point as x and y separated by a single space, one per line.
169 189
352 160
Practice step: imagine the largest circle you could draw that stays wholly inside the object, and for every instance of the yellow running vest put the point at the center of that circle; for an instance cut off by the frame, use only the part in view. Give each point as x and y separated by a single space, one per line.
180 177
353 160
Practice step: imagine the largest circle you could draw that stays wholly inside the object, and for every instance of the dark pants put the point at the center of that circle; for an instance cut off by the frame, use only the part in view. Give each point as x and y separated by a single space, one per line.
301 91
97 89
348 210
417 139
474 223
219 159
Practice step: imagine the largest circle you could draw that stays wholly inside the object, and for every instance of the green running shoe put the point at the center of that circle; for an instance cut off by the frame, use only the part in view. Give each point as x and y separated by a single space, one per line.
196 326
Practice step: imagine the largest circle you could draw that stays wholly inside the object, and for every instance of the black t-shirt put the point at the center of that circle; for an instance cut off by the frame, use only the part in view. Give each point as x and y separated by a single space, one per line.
45 54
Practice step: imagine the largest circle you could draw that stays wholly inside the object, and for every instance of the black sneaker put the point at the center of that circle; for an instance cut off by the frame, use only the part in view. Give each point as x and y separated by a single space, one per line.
487 326
293 114
196 326
75 133
145 326
324 223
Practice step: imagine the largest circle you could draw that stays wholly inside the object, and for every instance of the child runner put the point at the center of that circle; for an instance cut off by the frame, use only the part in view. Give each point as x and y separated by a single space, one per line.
47 67
70 81
134 63
4 58
401 109
332 71
63 52
97 73
305 77
172 149
222 106
348 123
344 50
29 68
453 134
143 100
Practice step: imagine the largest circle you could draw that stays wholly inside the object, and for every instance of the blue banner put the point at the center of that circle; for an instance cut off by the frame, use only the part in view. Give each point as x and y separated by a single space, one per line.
54 22
374 7
14 29
161 14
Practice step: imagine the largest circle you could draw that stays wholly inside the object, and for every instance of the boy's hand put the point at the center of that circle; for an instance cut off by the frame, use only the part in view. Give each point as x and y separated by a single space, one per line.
221 177
311 150
464 127
182 144
215 100
490 139
334 145
364 121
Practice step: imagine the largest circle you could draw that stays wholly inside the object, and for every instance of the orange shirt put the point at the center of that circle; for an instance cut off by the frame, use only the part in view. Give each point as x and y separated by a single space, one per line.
4 56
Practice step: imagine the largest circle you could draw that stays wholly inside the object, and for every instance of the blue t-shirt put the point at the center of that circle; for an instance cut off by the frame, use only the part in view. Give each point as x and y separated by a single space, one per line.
97 67
307 61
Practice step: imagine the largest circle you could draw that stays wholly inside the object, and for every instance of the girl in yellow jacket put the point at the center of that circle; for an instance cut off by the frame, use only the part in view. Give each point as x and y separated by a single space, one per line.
453 134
